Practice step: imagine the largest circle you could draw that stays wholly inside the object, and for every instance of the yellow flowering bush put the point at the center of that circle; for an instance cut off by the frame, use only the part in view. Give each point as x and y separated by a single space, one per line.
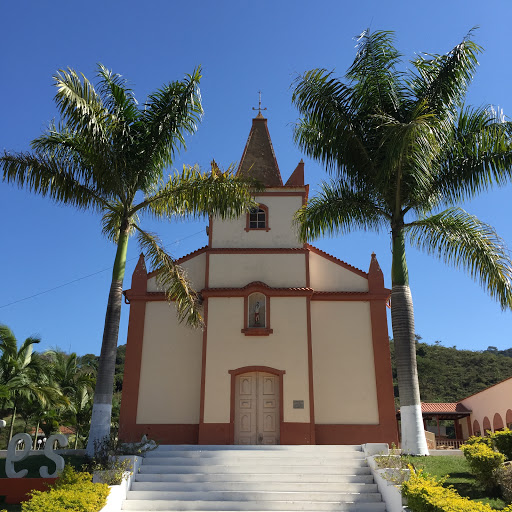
484 462
426 494
73 491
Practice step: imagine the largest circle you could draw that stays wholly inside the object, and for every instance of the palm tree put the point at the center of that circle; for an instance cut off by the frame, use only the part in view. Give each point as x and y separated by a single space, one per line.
22 376
402 149
108 154
77 384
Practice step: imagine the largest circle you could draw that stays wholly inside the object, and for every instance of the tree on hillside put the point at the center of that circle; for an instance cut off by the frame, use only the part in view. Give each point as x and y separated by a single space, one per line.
108 154
402 149
23 377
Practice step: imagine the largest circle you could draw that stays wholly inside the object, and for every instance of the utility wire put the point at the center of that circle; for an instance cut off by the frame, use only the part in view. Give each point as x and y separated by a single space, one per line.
89 275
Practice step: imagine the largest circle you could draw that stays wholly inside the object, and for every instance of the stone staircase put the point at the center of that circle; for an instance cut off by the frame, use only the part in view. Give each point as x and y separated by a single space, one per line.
254 478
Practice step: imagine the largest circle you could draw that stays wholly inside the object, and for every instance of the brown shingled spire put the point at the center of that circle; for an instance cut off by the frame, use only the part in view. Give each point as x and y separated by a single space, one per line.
297 177
259 161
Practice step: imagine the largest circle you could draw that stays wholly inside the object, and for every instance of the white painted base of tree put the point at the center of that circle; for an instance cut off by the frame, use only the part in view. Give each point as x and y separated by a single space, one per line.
100 426
414 441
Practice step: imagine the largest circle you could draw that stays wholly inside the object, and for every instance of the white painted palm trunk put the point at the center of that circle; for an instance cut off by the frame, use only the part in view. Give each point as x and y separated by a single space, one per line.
100 426
414 441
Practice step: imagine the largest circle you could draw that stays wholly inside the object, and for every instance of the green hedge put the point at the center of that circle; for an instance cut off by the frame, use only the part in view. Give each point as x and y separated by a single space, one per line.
73 491
426 494
502 441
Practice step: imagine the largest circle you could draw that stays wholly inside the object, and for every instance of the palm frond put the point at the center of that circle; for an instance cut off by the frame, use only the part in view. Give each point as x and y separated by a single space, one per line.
80 106
478 156
442 80
172 279
169 114
462 240
51 177
117 98
113 218
377 82
192 193
338 209
329 130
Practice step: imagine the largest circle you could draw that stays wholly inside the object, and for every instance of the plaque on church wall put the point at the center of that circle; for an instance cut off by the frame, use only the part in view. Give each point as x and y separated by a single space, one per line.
298 404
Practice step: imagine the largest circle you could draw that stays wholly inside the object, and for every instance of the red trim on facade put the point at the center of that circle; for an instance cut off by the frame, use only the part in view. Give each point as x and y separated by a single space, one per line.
310 374
187 257
203 367
267 224
383 373
308 278
279 193
249 369
296 433
351 296
333 259
167 433
15 489
256 250
133 358
355 434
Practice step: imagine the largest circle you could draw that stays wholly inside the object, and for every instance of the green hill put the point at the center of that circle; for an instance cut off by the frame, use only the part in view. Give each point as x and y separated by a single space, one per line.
449 375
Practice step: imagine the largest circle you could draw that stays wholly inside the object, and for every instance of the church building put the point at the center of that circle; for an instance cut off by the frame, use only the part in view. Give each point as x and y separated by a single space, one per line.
295 345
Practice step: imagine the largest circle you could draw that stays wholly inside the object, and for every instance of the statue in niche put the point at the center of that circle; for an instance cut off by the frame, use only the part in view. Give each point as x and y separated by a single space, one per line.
257 313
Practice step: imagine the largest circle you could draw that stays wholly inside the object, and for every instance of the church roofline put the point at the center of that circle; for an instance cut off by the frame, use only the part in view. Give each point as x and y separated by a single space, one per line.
332 258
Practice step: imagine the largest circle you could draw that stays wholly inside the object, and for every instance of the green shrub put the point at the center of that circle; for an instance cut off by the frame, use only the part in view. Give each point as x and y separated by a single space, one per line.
484 462
502 441
73 491
426 494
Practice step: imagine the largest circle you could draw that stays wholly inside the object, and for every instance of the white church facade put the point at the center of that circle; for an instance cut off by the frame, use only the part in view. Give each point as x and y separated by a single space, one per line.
295 346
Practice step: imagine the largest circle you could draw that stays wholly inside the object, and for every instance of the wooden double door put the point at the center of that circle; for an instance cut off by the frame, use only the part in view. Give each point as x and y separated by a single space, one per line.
257 408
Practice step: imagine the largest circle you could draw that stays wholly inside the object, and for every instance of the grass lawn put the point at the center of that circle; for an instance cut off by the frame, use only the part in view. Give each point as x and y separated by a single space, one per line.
460 476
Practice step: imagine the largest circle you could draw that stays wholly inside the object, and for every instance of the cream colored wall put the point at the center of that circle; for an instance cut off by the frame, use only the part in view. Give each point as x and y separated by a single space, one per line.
281 209
497 399
275 270
170 375
343 364
195 268
229 349
327 276
464 424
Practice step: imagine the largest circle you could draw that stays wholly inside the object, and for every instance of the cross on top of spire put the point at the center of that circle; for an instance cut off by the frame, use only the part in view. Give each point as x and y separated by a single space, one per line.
259 109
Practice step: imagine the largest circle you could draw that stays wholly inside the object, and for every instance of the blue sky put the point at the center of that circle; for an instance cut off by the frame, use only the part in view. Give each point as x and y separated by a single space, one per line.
243 47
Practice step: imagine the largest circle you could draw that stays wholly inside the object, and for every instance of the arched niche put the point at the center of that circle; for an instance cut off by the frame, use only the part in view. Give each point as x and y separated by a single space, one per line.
476 428
486 426
497 422
508 418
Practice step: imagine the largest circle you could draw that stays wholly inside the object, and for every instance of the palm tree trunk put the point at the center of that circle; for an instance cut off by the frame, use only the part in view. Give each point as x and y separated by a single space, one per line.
402 319
76 436
11 430
37 433
103 392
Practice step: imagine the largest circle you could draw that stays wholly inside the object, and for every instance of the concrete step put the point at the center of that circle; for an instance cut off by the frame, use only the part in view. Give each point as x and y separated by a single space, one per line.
254 454
257 496
249 477
255 486
254 461
254 469
230 506
317 448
